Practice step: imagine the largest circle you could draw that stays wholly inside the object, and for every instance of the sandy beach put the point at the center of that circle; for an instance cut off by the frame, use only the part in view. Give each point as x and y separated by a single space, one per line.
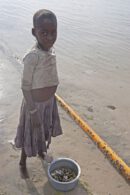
93 64
98 176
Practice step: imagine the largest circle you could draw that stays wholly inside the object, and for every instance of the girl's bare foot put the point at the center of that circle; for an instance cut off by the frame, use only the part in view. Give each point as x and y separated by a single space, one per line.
22 165
23 170
45 157
41 155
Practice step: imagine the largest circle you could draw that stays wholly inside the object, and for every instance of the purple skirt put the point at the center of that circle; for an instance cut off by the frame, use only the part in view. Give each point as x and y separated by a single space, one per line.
39 139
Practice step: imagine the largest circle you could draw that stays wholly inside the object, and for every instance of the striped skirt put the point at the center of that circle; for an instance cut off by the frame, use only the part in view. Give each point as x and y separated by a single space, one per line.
39 139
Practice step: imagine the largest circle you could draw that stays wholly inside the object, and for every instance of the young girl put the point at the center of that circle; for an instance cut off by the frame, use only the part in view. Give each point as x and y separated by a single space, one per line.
39 119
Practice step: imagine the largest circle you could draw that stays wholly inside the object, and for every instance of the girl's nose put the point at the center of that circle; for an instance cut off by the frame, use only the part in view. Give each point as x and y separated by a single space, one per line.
50 37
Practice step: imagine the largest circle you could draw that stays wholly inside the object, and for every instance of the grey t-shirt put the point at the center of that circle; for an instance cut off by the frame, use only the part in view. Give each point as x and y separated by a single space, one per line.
39 69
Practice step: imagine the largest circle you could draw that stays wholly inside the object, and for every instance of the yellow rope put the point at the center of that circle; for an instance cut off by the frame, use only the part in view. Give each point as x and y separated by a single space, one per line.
109 153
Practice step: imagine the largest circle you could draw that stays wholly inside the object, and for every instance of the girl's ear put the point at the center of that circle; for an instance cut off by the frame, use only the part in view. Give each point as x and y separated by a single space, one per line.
33 31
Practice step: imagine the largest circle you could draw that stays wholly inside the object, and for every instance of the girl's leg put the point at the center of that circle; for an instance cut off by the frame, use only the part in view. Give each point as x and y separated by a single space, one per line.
23 158
40 150
41 154
22 165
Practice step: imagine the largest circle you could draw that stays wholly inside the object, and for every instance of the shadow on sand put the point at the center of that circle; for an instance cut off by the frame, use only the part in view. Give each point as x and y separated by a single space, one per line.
31 188
49 190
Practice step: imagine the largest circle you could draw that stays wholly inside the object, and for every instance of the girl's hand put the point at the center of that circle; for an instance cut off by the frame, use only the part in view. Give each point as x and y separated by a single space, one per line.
35 120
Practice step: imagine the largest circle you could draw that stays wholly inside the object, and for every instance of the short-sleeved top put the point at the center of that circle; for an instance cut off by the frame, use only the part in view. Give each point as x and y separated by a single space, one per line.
39 69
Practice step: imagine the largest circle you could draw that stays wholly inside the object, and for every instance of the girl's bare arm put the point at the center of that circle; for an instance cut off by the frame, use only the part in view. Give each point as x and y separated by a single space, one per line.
29 99
34 117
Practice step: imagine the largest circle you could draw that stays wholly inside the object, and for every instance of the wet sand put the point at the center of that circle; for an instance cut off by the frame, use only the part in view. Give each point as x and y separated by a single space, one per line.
98 175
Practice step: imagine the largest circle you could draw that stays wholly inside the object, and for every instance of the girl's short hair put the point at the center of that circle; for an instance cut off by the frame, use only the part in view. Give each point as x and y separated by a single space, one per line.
42 14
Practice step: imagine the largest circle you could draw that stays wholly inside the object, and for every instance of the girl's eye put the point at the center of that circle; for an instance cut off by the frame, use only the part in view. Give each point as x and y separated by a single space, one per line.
44 34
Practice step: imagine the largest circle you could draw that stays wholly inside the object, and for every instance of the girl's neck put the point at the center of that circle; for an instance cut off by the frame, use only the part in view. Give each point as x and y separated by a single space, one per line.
40 47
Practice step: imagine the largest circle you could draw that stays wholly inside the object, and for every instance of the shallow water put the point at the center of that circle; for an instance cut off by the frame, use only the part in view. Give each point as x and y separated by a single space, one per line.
93 37
91 33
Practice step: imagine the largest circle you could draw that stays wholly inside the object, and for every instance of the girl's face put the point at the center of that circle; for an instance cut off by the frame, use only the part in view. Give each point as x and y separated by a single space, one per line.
46 33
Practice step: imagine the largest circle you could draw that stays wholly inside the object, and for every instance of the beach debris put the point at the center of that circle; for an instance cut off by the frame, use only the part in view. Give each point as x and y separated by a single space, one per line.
14 156
111 107
1 120
90 109
90 117
63 174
